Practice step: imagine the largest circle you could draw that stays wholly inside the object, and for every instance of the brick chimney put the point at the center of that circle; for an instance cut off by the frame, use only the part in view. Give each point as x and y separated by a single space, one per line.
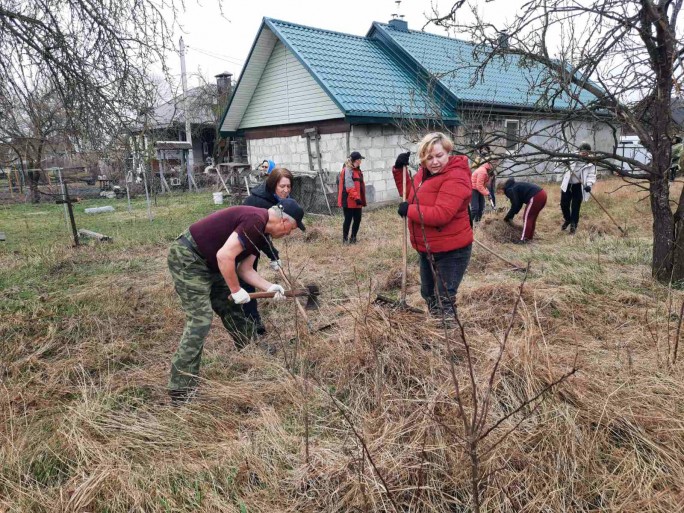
398 24
224 86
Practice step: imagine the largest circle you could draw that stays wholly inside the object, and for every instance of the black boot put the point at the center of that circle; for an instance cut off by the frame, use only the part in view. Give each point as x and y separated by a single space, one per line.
433 308
573 228
565 225
352 240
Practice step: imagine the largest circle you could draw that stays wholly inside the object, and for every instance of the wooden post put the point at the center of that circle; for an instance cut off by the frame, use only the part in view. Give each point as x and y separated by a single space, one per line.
9 182
218 172
70 208
19 181
66 210
95 235
320 171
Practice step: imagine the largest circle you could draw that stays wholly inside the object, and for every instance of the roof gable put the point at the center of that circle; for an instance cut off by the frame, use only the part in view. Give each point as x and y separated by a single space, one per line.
505 81
359 74
286 94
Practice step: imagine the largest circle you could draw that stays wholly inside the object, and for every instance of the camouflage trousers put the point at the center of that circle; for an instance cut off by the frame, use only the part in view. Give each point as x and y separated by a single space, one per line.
202 292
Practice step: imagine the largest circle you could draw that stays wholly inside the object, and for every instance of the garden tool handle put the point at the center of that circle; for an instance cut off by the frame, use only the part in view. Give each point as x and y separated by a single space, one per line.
288 293
404 240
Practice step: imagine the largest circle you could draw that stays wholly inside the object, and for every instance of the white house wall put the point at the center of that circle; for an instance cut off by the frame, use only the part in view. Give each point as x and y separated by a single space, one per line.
544 132
380 144
287 93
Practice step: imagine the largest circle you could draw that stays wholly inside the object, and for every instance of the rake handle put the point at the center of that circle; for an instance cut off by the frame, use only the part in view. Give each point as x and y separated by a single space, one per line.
598 202
512 264
404 240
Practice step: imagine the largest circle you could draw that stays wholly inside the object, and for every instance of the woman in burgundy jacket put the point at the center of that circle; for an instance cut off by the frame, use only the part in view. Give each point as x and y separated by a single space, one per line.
436 206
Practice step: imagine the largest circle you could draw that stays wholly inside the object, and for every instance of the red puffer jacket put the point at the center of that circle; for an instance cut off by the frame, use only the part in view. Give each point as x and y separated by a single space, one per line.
442 200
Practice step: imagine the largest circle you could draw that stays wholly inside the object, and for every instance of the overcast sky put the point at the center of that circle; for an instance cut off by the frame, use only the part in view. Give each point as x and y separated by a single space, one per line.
219 42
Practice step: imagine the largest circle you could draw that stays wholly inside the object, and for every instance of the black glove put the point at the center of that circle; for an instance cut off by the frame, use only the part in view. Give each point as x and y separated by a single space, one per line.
359 202
403 209
587 188
402 159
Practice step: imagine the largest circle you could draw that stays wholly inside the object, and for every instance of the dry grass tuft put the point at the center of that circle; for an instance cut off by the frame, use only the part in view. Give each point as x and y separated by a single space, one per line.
493 228
86 425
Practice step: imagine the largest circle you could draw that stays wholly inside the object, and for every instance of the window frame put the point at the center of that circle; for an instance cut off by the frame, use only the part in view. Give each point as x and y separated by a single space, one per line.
515 145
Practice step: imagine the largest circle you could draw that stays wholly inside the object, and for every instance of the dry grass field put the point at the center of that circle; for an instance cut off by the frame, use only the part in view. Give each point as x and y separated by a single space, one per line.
362 416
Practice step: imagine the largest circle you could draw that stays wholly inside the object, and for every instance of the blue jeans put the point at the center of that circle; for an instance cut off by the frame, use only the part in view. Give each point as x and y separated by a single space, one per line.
450 268
492 189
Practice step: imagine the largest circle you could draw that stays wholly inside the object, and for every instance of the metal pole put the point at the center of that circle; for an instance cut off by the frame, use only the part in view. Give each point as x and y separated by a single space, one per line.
147 195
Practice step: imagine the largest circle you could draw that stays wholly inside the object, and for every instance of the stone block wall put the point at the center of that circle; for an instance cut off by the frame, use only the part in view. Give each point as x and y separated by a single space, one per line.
380 144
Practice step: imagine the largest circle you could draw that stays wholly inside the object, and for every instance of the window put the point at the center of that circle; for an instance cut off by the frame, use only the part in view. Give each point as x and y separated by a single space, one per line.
512 127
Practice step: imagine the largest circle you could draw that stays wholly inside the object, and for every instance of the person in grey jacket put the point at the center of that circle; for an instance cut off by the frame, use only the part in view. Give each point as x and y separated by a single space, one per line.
576 187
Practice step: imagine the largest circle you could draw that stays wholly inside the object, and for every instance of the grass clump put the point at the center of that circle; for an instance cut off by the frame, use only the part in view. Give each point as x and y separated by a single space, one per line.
361 416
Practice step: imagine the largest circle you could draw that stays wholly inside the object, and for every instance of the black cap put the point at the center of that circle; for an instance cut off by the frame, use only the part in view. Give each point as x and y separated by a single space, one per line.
292 209
355 155
585 146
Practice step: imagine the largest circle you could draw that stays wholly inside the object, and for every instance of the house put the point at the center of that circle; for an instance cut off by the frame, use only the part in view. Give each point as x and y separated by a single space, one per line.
379 93
166 122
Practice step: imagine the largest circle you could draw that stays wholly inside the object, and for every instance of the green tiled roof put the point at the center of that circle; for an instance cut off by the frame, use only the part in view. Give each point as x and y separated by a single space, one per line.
505 81
360 74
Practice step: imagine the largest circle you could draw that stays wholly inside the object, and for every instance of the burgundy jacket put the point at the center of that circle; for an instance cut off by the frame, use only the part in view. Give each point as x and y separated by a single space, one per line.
441 200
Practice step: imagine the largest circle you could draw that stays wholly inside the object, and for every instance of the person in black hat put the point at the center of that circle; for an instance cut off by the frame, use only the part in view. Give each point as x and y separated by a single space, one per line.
351 196
207 263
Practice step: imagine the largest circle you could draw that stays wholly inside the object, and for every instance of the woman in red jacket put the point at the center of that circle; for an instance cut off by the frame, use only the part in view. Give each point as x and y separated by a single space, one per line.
436 206
351 196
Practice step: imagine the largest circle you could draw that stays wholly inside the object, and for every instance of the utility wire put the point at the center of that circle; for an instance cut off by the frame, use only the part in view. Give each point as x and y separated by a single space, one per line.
221 57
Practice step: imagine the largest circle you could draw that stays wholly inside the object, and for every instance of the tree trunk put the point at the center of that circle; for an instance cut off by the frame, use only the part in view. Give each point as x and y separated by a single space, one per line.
663 230
678 247
34 178
678 253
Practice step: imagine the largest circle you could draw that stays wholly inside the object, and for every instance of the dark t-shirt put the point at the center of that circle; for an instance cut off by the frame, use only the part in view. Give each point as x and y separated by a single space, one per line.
212 232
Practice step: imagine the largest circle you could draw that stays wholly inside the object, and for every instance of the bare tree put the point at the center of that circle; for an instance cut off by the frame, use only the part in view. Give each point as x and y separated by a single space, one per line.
605 60
93 53
34 123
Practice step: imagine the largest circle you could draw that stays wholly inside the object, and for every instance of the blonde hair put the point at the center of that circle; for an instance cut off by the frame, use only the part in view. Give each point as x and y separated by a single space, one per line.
349 163
428 142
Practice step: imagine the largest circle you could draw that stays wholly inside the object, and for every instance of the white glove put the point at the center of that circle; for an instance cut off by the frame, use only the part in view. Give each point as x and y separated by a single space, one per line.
279 291
492 204
240 297
275 265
